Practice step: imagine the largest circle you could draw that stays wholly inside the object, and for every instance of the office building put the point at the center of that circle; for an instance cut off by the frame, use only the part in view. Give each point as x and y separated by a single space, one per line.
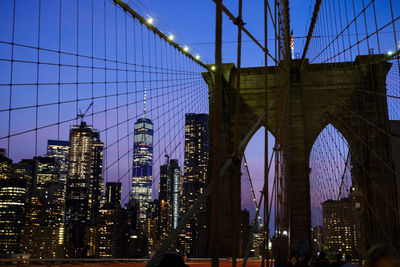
113 225
96 177
194 238
142 165
153 229
84 189
196 158
45 227
340 231
59 149
169 196
12 209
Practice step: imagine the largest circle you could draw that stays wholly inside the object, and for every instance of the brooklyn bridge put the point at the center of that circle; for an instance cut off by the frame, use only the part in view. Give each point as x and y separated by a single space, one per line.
258 133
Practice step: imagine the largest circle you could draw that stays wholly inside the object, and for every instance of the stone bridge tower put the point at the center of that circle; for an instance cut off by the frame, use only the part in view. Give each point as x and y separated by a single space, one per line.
348 95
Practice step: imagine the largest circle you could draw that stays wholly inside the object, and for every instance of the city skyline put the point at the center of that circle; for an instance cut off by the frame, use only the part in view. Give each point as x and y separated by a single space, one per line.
105 111
160 12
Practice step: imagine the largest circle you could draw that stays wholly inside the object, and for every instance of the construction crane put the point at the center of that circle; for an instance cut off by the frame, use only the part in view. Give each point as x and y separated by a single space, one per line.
81 115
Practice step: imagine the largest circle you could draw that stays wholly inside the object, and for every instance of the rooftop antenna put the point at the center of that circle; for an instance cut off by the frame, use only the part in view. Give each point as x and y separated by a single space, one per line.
144 104
81 115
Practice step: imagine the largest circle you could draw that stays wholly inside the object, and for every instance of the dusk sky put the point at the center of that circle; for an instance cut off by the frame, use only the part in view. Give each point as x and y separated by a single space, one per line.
191 22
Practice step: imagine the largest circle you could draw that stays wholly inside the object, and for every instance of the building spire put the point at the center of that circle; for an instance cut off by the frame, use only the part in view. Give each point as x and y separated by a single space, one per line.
144 104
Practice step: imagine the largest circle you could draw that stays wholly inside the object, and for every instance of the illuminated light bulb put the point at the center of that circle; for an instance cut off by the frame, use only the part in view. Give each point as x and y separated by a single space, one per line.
150 20
171 37
212 67
185 48
197 57
284 232
390 53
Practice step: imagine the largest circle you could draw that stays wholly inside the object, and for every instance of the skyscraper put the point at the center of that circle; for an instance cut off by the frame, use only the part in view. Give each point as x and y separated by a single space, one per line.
196 158
113 225
142 165
83 188
169 195
12 209
59 150
44 231
176 175
96 176
194 237
340 228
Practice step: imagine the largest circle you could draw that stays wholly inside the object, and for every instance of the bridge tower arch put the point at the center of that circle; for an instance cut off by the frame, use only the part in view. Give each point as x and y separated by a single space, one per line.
316 95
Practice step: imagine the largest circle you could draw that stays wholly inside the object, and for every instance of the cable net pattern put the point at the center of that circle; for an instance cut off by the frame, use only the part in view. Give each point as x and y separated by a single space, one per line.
59 58
344 31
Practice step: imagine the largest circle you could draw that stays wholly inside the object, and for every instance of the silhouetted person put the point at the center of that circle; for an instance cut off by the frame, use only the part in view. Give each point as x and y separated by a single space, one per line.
293 262
172 260
379 256
338 261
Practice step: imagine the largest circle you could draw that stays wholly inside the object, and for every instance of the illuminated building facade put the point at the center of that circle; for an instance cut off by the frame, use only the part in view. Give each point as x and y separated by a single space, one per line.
165 203
194 237
96 176
196 158
142 165
169 196
44 231
113 225
175 173
113 193
340 231
12 209
84 186
5 167
153 219
26 169
59 150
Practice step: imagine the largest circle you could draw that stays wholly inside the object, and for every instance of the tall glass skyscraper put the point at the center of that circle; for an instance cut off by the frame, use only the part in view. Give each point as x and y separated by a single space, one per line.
84 186
142 165
196 158
194 237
